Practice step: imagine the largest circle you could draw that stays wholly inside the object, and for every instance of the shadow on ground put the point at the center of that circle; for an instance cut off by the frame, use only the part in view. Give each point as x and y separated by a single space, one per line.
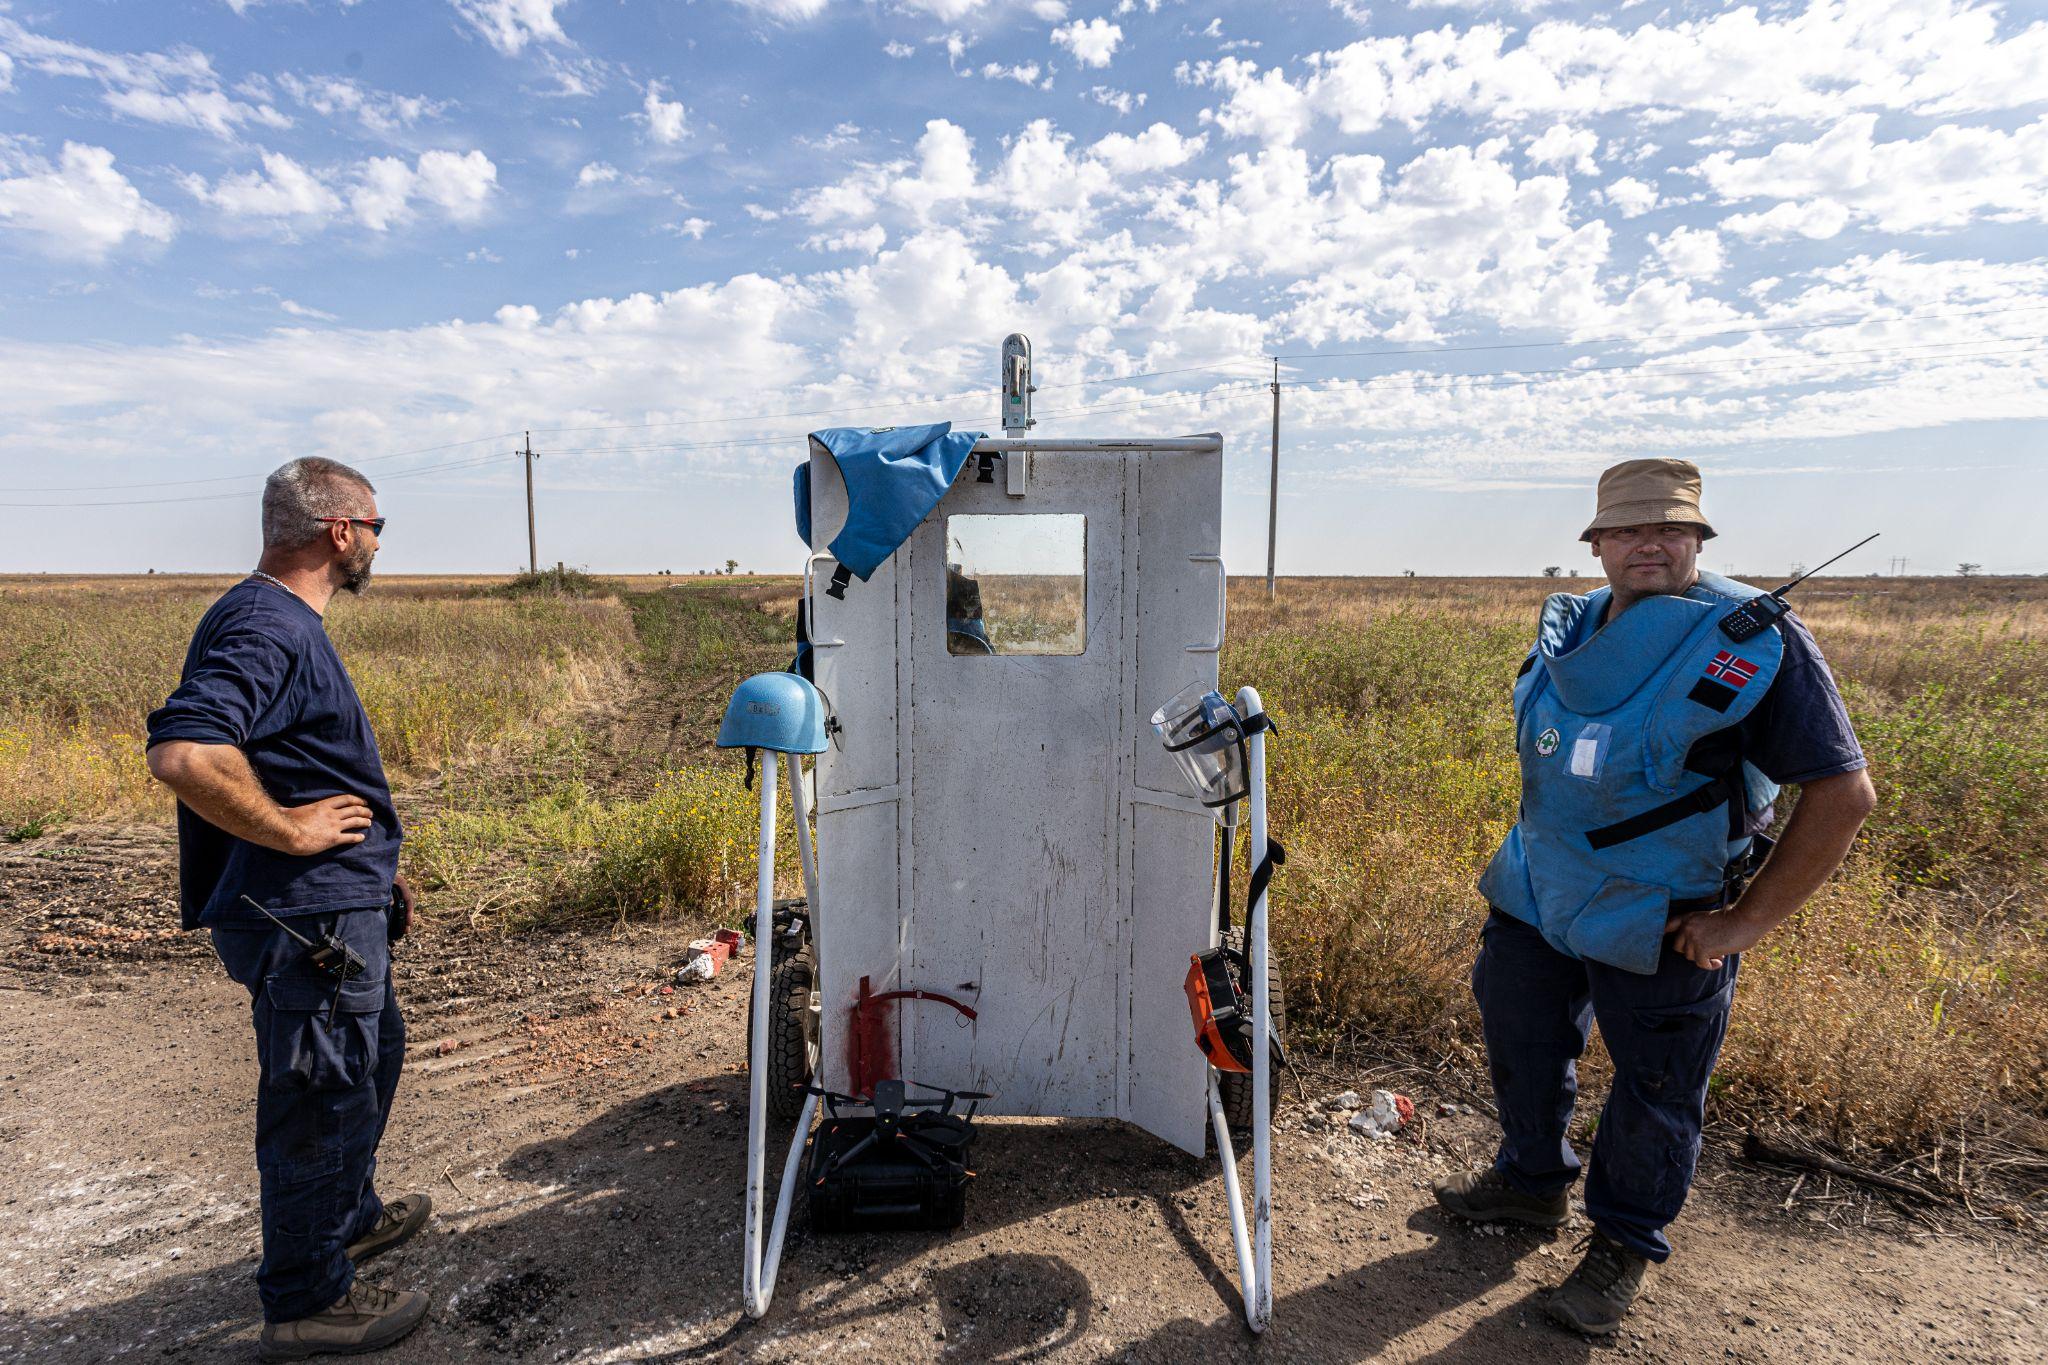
622 1239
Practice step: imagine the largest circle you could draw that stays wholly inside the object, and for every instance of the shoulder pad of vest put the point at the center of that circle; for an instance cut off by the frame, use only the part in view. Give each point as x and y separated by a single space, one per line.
1712 587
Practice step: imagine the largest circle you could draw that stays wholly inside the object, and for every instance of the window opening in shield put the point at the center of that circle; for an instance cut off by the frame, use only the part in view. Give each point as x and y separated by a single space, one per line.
1017 583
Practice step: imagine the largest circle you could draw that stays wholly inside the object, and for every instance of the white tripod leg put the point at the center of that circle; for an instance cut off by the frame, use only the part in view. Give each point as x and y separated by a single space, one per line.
1254 1247
1247 1269
758 1279
1259 1303
806 850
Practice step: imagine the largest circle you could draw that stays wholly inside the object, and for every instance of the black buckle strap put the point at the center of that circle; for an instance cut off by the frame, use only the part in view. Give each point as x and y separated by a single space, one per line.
841 576
1696 802
1262 875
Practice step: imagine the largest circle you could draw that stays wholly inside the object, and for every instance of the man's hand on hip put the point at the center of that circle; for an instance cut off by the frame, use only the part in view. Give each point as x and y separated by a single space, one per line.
216 781
332 822
1709 936
1816 839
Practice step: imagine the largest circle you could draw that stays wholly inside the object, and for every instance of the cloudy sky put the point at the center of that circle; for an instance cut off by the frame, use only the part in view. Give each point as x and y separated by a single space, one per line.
1497 246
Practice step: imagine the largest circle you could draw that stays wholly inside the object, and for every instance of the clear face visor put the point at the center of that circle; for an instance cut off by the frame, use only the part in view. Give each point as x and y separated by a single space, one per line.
1205 735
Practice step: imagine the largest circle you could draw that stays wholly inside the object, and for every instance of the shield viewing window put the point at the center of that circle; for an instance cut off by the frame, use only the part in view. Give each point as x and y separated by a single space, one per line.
1017 584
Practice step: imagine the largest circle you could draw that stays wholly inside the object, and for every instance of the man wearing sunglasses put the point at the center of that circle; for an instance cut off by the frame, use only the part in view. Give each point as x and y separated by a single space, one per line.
288 853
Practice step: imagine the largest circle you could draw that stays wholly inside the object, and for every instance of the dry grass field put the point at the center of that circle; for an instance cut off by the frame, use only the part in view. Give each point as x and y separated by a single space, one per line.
552 756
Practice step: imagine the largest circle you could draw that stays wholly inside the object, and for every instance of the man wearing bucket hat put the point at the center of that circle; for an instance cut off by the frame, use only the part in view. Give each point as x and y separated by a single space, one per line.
1652 745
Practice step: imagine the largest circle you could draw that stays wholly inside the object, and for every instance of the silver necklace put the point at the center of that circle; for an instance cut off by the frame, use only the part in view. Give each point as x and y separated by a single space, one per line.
271 578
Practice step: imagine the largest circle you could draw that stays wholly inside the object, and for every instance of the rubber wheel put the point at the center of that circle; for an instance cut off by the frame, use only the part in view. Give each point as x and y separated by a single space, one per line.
1235 1087
792 1027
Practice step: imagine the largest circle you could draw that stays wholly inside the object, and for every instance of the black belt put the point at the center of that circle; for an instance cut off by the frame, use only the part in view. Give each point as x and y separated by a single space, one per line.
1734 880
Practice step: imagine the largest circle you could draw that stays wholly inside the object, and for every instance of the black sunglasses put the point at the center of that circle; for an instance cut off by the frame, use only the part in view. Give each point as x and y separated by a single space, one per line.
376 524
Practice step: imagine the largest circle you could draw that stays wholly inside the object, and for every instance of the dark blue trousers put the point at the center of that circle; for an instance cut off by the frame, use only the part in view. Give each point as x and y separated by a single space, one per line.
328 1054
1664 1033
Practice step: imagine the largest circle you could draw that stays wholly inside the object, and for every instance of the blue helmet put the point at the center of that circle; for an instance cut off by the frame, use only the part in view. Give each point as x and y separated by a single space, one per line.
776 711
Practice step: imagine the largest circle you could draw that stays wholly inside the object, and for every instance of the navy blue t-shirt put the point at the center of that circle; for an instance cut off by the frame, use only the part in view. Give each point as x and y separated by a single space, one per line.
262 675
1800 731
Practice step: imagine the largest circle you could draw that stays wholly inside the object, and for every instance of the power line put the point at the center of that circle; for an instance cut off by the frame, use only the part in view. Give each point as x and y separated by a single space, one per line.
1479 379
1220 392
233 478
227 497
1641 338
1508 379
887 406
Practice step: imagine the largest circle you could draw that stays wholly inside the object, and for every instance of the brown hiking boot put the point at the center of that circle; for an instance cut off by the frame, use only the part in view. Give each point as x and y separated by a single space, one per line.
1596 1296
402 1218
366 1319
1487 1197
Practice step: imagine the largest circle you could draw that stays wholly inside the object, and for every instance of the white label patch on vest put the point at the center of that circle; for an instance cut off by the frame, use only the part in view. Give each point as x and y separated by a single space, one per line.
1547 742
1589 752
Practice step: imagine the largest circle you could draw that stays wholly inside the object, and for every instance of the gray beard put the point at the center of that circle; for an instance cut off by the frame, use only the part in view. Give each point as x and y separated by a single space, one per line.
356 577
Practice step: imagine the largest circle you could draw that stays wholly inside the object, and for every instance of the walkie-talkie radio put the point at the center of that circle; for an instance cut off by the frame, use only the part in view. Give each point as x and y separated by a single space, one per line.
1759 614
330 955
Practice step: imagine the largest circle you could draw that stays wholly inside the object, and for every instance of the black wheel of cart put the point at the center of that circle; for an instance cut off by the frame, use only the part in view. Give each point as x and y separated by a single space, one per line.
1235 1087
792 1013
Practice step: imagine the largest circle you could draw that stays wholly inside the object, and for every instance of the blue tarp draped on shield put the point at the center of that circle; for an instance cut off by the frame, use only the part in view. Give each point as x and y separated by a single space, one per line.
894 476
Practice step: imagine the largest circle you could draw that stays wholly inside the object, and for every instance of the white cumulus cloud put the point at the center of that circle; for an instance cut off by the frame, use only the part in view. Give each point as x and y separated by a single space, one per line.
82 207
282 189
1941 180
1691 253
509 25
1158 148
1931 57
667 120
1815 219
1024 73
785 11
379 193
178 88
460 184
1092 41
1567 148
1631 196
379 111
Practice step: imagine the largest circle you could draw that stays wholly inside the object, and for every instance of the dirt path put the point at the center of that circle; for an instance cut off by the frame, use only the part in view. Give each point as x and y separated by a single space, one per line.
583 1135
585 1150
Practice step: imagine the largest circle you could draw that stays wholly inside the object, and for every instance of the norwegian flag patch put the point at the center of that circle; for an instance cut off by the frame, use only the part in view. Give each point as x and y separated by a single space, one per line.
1726 675
1730 670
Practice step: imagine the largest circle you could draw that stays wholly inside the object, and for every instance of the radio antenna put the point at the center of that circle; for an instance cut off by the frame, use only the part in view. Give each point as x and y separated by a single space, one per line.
1780 592
1765 610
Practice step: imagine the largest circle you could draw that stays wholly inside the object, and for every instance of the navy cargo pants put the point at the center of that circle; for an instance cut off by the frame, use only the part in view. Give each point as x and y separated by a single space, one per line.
328 1054
1664 1033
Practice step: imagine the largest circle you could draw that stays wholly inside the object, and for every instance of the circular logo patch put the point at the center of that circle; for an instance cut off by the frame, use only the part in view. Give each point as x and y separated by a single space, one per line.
1547 742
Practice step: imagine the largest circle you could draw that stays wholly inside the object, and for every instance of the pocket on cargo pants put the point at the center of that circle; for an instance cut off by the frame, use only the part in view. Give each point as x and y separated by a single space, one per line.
316 1121
317 1045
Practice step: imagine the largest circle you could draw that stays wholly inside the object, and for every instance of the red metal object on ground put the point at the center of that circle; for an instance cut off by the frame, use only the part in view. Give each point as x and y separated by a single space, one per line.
718 949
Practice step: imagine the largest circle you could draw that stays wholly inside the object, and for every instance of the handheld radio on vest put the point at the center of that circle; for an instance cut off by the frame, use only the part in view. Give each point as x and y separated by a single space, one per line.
1759 614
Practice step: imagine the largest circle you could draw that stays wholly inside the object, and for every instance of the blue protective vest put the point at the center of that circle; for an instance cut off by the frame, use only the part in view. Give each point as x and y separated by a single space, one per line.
1606 718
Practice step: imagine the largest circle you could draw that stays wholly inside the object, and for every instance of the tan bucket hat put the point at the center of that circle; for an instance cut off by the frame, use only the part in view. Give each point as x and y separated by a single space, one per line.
1649 493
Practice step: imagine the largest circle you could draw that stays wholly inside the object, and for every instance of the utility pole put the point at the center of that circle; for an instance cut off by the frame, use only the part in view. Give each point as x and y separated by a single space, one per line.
1273 498
532 545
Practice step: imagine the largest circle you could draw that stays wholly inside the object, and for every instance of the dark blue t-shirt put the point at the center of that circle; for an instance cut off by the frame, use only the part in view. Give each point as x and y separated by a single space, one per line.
1800 731
262 675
